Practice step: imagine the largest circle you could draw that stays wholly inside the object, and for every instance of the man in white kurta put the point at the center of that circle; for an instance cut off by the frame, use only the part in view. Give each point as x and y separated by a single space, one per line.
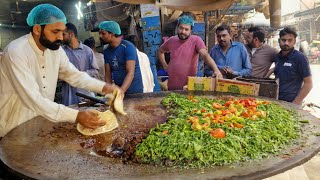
29 71
146 73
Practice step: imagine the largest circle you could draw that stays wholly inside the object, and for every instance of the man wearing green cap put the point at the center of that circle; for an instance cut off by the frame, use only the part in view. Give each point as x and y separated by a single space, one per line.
29 71
184 51
121 60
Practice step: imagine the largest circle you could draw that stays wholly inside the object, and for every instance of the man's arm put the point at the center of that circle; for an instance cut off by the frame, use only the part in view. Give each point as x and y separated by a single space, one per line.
210 62
130 67
108 73
269 72
28 90
305 89
162 58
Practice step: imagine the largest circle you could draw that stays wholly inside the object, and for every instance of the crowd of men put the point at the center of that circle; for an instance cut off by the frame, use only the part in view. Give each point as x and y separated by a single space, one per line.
32 64
236 59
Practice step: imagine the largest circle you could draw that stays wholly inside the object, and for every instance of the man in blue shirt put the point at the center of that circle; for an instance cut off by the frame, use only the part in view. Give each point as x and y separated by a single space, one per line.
121 60
292 68
231 57
82 57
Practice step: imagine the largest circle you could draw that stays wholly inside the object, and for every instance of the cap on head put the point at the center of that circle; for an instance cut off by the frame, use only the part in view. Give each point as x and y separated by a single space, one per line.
110 26
186 20
45 14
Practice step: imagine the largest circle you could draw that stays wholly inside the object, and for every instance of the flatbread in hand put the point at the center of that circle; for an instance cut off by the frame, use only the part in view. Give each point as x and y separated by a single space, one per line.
111 123
118 102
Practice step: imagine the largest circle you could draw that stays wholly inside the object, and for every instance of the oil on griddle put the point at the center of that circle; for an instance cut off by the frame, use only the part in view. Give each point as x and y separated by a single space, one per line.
121 142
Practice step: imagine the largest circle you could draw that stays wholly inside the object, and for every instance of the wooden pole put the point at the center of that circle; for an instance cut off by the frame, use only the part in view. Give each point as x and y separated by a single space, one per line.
275 13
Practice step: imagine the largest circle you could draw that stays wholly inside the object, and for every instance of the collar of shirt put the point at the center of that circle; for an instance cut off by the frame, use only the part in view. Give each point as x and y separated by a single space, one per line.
253 50
287 56
34 45
79 47
259 48
122 43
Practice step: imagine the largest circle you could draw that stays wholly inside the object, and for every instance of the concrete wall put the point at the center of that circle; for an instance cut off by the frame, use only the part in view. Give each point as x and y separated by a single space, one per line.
9 34
71 15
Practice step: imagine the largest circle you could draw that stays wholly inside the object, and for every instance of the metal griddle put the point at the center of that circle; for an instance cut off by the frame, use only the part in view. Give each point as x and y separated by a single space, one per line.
34 150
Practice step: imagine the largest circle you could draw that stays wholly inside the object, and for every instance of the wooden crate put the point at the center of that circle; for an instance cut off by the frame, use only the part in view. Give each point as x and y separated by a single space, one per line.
268 87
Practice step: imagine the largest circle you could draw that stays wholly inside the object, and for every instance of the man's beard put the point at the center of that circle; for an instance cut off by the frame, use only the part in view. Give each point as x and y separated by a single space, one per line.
183 38
286 48
249 44
102 42
48 44
66 41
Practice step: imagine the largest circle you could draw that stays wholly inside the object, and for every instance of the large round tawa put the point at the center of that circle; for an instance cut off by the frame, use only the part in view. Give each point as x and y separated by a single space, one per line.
30 151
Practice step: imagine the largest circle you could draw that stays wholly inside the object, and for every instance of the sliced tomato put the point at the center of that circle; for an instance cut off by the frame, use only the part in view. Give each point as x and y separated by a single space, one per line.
216 116
227 104
203 110
252 108
208 115
238 125
218 133
232 109
224 112
217 105
245 114
252 103
236 102
250 112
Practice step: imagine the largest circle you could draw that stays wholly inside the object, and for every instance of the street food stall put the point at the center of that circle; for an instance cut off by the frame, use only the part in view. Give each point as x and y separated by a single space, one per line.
40 149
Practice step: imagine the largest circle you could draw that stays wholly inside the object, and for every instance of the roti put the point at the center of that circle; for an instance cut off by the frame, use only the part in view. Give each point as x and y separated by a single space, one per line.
118 103
111 123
